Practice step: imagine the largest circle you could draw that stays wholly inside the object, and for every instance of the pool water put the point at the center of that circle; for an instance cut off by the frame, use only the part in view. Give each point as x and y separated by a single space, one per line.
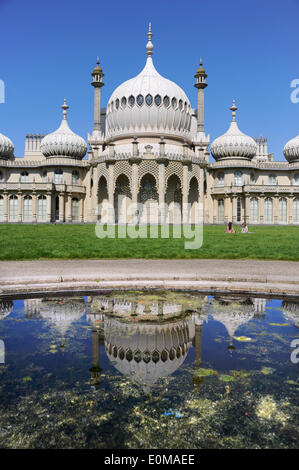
151 370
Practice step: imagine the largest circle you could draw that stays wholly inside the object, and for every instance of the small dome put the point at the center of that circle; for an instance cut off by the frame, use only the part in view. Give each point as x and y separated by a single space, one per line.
291 150
6 147
63 141
233 144
148 103
200 70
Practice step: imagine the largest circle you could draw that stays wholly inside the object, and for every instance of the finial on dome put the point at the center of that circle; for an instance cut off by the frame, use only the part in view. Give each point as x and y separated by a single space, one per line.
233 109
149 46
65 107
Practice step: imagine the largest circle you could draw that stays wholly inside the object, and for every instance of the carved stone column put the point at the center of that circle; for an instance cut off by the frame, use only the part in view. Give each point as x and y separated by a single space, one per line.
226 209
185 191
49 208
234 209
94 194
81 209
276 209
262 208
34 208
161 189
111 163
68 208
215 210
290 209
5 207
247 208
61 207
20 207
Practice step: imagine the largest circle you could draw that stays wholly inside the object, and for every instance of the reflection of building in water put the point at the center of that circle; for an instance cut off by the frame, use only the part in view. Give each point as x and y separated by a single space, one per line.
123 306
291 311
6 307
232 312
259 306
145 352
32 308
61 312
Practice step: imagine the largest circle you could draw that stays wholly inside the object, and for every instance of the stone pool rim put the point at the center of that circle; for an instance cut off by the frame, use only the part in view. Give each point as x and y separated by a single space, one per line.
250 277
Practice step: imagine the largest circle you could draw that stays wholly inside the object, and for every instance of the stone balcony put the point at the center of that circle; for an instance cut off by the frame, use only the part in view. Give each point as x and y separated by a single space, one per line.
47 187
256 188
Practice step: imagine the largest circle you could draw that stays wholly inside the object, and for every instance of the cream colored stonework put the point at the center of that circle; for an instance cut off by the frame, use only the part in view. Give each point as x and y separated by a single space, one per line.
152 149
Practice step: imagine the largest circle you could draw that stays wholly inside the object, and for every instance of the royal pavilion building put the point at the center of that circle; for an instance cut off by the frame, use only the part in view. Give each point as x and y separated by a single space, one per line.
148 146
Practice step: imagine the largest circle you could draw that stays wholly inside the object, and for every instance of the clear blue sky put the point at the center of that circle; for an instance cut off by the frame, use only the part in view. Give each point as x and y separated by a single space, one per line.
250 51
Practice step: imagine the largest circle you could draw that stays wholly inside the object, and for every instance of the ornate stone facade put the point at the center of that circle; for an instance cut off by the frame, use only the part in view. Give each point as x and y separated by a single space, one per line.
148 146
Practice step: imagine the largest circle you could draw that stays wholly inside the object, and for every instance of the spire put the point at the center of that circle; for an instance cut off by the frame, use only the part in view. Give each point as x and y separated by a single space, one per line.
233 109
149 46
65 107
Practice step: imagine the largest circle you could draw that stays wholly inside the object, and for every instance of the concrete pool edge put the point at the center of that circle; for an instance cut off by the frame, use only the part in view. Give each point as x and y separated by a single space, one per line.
226 276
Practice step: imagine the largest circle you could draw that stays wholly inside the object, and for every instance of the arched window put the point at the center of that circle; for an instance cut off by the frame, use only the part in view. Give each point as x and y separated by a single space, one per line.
75 177
44 176
58 176
272 179
296 180
75 209
13 208
220 178
238 178
27 209
1 209
268 210
24 177
254 205
221 210
296 211
1 176
42 208
283 210
239 209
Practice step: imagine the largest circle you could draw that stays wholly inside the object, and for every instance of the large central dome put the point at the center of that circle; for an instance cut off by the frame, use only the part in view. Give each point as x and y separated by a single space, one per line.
148 103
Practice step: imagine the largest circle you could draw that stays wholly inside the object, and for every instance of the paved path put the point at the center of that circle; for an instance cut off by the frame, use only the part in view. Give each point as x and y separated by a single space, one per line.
233 275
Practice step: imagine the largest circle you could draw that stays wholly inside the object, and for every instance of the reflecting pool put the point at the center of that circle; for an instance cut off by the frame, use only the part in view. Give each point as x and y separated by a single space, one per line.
168 370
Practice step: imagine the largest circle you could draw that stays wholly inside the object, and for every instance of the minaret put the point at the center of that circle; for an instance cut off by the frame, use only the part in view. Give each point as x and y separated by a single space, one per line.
97 83
200 84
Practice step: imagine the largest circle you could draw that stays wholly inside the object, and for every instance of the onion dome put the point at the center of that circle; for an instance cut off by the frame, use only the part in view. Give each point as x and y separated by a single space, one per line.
6 147
291 312
5 308
148 103
200 70
147 352
291 150
234 144
63 141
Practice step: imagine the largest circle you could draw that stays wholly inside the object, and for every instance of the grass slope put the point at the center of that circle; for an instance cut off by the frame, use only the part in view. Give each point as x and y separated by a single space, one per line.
25 242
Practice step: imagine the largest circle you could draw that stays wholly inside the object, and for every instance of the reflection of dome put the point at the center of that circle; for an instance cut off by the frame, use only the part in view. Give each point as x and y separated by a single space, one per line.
63 141
147 352
5 308
62 312
232 315
148 103
291 311
291 150
6 147
233 144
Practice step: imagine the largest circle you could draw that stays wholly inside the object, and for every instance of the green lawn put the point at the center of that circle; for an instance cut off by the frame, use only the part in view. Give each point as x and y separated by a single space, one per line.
21 242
